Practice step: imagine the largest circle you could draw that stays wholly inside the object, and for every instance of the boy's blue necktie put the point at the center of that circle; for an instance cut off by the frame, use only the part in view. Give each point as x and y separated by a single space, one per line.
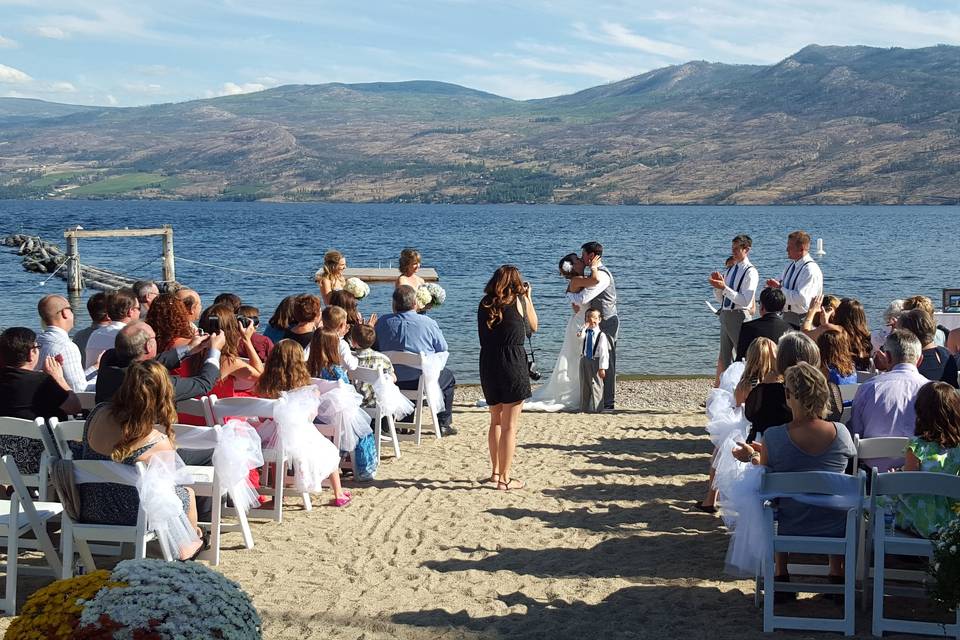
589 343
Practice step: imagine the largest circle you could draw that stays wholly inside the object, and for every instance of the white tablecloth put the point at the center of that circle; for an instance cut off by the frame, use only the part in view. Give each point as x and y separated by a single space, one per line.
949 320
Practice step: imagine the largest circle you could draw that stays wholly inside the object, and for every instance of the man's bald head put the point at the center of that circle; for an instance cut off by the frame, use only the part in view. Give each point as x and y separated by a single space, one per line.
136 341
191 300
55 311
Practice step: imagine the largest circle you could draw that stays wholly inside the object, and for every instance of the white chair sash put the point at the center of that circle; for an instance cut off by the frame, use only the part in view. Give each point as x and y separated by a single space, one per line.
432 365
313 457
391 400
236 450
341 406
743 514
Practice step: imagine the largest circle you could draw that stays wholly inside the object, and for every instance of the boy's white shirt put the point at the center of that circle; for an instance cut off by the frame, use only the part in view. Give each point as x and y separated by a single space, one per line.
602 349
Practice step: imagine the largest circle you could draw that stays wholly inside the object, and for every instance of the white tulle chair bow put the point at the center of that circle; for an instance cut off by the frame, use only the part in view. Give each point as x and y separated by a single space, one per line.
313 457
340 406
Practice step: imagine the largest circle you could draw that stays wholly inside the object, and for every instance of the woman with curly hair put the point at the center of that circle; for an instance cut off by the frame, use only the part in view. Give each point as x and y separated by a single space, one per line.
503 316
330 276
170 320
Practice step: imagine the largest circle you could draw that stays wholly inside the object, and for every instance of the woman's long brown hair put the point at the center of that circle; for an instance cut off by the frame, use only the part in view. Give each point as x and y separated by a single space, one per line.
284 370
938 414
324 352
835 351
145 399
502 290
851 316
170 320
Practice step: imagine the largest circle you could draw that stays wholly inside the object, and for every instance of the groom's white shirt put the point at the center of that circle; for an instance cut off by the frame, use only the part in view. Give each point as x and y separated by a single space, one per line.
586 295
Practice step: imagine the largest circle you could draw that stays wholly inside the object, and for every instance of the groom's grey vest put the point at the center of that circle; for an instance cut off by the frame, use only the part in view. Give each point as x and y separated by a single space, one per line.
606 301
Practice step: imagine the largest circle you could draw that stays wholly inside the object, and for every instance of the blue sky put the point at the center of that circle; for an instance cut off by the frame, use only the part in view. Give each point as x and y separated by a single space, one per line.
115 52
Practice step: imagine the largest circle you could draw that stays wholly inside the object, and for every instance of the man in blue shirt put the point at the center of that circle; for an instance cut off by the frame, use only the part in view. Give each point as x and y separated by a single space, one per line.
407 330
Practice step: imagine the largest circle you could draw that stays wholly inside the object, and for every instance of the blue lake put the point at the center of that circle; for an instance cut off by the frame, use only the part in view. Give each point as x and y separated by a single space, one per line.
660 257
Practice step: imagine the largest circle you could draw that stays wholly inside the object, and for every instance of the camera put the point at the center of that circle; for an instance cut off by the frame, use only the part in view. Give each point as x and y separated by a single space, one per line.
244 321
532 369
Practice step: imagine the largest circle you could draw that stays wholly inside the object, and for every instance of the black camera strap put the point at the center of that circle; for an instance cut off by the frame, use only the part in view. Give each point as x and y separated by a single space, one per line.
527 331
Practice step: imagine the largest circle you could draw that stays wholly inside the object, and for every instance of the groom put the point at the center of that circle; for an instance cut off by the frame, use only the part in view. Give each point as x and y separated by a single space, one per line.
603 297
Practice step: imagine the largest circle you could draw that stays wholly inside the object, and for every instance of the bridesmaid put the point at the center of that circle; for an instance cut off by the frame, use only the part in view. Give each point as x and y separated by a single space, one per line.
409 265
330 277
503 316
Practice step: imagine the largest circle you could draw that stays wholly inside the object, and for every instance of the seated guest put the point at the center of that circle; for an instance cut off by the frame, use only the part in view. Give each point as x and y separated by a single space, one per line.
29 394
281 319
232 369
136 425
286 370
146 291
232 300
335 319
305 319
820 316
923 302
408 266
935 448
836 362
407 330
56 315
770 324
261 343
883 405
766 405
890 317
137 342
97 308
123 308
937 364
852 318
363 336
191 300
171 321
806 443
348 302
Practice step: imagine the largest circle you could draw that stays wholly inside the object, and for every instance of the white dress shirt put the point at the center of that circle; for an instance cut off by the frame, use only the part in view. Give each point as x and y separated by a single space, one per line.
584 296
101 340
802 280
350 361
54 342
601 347
740 286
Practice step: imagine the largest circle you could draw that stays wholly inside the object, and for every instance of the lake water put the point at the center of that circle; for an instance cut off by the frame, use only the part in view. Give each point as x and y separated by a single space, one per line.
660 257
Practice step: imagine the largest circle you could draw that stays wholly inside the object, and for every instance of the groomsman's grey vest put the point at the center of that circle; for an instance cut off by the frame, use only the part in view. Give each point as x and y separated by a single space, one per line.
606 301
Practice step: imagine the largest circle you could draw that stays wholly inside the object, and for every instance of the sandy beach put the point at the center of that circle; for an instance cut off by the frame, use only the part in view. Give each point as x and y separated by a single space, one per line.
602 542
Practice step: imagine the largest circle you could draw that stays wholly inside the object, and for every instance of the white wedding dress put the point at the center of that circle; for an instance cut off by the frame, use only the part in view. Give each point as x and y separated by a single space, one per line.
562 390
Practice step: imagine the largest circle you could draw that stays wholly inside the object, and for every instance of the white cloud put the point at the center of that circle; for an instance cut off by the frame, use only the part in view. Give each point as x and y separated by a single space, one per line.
49 31
605 72
9 75
233 89
63 87
111 100
142 88
616 34
7 43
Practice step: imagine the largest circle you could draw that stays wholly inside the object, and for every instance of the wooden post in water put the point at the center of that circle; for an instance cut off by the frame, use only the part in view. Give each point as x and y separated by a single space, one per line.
169 270
74 279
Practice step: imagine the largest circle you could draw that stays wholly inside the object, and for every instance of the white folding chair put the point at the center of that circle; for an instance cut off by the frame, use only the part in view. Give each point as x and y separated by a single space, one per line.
64 433
32 429
811 483
370 376
19 516
259 408
418 395
206 482
885 447
847 392
79 534
883 487
198 408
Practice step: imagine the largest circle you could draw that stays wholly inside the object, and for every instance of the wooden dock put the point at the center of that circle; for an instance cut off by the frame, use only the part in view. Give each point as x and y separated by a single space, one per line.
377 276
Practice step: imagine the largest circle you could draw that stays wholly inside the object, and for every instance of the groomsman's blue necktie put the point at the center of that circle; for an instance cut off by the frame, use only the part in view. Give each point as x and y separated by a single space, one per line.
589 343
727 302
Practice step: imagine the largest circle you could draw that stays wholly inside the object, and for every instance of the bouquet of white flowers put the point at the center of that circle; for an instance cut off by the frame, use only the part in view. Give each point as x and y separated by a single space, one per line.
437 294
945 568
424 297
140 599
357 287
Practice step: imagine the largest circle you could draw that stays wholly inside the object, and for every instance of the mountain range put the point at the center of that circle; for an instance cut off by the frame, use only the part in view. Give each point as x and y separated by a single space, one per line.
825 125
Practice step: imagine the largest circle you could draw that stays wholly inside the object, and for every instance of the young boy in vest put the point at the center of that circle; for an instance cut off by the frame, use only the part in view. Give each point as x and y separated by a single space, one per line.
594 361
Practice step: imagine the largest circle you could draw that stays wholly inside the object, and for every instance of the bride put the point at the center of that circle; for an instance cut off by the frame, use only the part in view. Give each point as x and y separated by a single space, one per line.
562 390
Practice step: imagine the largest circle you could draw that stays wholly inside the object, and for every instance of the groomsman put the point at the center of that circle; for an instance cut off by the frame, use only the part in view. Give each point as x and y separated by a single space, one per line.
802 280
603 298
735 290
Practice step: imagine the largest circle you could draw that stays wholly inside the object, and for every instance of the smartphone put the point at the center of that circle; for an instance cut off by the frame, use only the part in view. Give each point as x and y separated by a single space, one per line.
212 325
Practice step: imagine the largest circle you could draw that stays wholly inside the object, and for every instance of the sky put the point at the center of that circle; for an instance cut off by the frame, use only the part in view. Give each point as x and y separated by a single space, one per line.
125 53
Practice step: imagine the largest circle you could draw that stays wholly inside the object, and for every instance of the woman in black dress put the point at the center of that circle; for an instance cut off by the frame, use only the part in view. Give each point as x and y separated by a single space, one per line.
503 317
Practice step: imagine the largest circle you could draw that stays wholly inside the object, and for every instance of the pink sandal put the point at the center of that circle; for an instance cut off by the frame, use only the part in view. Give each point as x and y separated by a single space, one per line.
342 501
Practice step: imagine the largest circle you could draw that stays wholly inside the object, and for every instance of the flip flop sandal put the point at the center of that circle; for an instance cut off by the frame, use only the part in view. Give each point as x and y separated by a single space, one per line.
511 485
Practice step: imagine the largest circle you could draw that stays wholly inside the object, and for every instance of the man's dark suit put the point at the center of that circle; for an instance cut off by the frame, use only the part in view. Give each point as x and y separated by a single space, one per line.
770 325
112 371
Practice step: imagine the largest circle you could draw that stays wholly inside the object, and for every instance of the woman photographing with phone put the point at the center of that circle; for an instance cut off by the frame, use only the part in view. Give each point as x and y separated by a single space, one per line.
505 316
